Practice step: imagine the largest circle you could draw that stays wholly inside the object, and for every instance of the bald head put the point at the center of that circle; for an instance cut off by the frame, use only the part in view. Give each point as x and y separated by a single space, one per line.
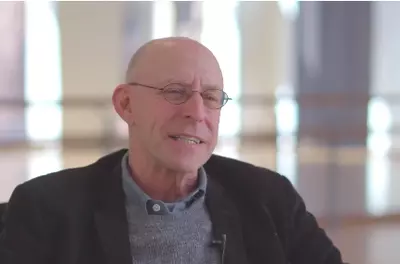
155 119
164 53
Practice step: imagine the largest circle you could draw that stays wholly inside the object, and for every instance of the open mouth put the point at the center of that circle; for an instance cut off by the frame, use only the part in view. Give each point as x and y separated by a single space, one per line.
189 140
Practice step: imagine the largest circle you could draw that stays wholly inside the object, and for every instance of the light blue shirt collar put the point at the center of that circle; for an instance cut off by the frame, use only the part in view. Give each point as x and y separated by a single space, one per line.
135 196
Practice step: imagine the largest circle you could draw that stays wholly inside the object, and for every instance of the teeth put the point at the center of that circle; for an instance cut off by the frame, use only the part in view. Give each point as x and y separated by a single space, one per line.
187 139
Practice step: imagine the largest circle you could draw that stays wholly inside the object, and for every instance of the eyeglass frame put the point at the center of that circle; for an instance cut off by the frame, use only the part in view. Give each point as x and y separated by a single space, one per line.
226 96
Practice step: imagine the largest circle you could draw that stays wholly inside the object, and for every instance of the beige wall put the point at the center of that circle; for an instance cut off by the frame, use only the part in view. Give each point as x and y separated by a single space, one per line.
262 28
92 45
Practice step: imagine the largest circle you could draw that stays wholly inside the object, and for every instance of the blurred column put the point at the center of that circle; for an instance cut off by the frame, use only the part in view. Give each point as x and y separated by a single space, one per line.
188 15
384 117
139 26
261 26
94 57
12 118
333 93
12 112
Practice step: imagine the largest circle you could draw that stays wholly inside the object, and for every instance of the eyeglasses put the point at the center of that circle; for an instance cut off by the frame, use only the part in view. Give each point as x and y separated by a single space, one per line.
176 93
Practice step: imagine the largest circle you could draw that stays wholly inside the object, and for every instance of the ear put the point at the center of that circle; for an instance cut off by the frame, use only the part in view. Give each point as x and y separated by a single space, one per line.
122 103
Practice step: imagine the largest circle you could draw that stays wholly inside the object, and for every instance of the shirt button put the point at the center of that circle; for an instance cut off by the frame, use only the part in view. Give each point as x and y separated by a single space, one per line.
156 207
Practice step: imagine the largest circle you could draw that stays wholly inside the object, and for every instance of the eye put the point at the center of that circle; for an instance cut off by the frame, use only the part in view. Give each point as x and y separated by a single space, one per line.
210 98
213 95
175 89
175 93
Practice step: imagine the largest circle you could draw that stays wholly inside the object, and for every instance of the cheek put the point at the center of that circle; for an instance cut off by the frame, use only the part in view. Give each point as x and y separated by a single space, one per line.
160 119
214 123
143 114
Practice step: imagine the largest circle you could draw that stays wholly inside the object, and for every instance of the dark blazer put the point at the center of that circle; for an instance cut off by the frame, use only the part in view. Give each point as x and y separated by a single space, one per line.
2 210
77 216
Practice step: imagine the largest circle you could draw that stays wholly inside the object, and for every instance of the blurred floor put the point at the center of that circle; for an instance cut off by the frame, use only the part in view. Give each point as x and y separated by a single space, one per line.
374 243
369 244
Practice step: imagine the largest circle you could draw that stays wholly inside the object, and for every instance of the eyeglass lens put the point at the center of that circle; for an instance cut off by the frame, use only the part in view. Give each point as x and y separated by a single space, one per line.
179 94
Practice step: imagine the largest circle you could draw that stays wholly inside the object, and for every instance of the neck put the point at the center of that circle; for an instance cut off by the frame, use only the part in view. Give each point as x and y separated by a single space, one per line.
161 183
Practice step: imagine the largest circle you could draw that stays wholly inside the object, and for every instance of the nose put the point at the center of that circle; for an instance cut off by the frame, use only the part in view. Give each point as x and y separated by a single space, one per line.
194 108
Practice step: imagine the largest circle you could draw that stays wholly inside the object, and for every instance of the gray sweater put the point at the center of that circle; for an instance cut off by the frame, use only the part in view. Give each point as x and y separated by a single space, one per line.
181 238
172 233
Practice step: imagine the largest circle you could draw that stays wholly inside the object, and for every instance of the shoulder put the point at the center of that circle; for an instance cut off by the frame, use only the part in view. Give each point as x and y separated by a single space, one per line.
269 194
244 175
254 183
71 184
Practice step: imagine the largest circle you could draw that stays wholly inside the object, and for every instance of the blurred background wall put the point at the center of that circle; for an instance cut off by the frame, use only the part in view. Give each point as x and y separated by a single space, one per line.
315 89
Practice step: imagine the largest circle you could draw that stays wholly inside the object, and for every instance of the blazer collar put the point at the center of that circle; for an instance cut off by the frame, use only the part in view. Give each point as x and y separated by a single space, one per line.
110 216
239 208
227 228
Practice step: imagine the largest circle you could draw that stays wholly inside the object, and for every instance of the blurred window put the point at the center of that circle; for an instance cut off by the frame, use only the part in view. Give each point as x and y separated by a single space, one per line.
163 19
42 72
378 164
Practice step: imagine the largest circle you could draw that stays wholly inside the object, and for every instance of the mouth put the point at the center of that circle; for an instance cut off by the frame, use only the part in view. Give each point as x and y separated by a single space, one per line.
187 139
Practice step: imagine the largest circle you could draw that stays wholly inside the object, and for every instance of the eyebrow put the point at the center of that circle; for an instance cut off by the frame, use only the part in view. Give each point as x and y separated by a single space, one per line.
204 87
212 87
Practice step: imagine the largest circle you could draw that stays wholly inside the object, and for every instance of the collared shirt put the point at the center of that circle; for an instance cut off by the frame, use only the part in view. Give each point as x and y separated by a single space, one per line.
136 196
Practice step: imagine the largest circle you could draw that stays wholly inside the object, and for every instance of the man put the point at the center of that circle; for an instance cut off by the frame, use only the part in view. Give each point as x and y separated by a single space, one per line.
167 199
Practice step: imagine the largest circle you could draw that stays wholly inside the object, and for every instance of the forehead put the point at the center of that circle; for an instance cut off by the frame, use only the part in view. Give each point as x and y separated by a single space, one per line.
179 63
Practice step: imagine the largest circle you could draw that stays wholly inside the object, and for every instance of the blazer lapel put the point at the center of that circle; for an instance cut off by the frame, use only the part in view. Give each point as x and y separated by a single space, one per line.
227 228
251 233
262 238
110 218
